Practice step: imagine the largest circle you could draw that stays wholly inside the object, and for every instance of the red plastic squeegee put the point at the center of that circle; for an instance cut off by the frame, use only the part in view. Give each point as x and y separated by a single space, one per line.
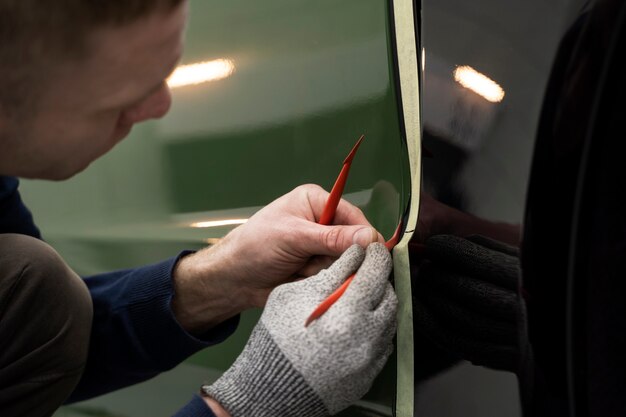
335 194
327 217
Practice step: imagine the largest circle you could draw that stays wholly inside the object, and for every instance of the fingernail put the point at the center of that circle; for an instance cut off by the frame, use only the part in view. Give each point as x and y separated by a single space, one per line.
365 236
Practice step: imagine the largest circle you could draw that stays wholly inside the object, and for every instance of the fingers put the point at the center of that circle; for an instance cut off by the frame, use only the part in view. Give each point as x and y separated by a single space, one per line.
334 240
377 336
386 313
315 265
375 365
347 263
329 280
346 213
349 225
380 362
370 284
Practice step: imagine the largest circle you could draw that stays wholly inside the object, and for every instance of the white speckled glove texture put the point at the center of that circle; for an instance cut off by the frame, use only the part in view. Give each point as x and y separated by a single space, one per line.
287 369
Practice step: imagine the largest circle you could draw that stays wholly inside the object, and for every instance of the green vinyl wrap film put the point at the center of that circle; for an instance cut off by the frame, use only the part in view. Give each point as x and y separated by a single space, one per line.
309 78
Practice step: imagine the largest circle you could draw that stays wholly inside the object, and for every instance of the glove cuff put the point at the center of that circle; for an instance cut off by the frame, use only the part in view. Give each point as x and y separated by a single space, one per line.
263 383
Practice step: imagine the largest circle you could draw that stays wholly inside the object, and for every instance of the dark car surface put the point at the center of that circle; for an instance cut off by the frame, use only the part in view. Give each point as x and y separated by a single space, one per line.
548 158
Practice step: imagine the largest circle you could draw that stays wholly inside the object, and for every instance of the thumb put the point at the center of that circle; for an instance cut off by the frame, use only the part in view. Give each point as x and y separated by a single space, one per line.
335 240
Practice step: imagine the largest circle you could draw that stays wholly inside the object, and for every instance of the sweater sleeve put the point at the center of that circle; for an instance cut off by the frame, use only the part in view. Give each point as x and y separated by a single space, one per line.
135 335
195 408
14 216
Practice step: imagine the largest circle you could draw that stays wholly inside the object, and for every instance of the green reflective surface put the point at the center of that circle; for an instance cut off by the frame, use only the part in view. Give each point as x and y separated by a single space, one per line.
309 79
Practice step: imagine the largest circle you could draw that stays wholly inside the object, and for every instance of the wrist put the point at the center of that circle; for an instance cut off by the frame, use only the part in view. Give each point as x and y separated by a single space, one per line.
203 294
264 382
216 407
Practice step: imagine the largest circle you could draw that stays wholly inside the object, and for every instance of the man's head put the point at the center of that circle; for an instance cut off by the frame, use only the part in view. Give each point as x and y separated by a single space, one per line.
76 75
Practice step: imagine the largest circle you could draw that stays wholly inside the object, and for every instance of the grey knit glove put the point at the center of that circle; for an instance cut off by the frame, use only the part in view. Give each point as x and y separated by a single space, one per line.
287 369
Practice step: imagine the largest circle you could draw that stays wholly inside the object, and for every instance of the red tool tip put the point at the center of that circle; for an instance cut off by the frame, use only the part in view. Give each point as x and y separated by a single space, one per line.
335 194
350 156
393 240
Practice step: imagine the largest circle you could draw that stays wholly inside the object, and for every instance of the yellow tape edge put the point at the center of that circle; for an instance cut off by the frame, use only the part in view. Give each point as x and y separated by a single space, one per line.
407 56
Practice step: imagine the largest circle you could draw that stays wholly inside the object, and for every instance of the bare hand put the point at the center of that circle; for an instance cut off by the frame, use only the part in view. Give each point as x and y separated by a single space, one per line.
280 242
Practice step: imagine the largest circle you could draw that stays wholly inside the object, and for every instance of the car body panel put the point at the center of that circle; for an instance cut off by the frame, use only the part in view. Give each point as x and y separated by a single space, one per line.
482 152
307 79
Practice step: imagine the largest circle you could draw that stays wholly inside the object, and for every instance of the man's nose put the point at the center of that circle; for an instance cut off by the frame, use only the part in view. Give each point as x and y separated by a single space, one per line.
154 106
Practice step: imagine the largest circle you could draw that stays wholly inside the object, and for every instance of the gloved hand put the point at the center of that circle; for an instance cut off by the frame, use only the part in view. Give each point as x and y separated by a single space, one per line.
289 370
467 300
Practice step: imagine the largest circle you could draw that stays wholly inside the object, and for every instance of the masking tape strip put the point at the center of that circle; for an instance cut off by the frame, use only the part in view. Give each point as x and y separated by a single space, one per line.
408 73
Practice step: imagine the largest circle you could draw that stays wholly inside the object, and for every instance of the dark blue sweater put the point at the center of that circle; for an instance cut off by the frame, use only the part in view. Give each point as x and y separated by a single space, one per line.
135 335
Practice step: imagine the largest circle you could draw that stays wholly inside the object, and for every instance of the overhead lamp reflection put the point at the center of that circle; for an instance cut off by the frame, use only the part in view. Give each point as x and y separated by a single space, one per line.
218 223
201 72
479 83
